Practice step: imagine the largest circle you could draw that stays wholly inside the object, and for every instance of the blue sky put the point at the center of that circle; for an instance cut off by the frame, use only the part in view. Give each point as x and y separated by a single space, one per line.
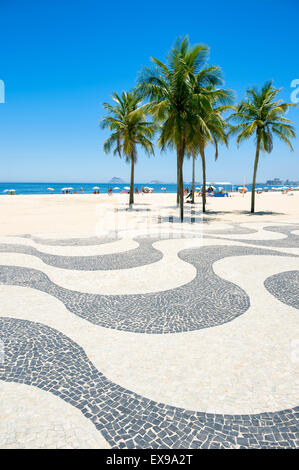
61 59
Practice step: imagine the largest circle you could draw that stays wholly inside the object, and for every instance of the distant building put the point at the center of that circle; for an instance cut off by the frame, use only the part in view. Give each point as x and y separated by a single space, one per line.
279 182
291 183
275 182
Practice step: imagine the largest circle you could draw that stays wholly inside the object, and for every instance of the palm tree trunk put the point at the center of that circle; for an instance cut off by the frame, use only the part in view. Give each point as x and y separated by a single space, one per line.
257 154
181 153
193 176
181 192
131 201
203 189
178 178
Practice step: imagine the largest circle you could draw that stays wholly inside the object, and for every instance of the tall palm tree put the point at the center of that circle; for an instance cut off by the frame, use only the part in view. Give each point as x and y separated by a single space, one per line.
173 100
193 154
212 130
126 120
262 115
217 133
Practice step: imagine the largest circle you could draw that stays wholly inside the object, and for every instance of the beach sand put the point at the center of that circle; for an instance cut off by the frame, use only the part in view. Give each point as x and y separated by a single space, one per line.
89 213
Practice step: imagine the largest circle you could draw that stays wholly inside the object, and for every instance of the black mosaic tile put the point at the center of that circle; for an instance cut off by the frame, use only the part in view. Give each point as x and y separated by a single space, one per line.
144 254
71 241
40 356
290 241
285 287
205 302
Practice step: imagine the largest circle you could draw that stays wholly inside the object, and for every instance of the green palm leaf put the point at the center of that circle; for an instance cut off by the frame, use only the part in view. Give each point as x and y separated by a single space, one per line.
261 115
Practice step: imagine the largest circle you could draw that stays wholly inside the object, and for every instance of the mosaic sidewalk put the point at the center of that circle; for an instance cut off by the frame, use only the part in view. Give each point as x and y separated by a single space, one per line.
196 346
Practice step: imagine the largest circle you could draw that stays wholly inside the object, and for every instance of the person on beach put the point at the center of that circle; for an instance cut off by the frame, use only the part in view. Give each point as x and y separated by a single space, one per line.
189 196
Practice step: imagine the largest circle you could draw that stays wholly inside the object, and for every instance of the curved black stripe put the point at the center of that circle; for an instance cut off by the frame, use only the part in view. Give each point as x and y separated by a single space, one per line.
40 356
205 302
291 240
144 254
285 287
71 241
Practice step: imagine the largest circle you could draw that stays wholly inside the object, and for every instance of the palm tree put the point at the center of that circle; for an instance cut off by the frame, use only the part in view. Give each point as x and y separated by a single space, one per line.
193 153
126 120
174 102
262 115
212 130
216 126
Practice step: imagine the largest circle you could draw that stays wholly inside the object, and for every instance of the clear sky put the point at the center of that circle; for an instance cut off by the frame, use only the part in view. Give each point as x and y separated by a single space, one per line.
61 59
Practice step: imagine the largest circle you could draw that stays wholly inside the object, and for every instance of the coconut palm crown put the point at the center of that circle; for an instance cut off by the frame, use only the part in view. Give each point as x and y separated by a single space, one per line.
214 132
261 115
126 119
179 91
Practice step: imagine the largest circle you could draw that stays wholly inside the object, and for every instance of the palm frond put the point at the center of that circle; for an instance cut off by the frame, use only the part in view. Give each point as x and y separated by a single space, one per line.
262 114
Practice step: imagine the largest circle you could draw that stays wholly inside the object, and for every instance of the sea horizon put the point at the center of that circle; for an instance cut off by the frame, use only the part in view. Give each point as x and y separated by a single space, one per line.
28 188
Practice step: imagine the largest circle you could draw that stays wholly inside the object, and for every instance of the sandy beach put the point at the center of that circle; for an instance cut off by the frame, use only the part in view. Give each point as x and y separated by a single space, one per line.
87 213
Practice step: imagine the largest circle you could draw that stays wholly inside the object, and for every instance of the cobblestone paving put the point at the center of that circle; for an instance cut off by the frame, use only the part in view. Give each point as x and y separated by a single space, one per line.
70 241
144 254
236 229
285 287
43 357
205 302
291 240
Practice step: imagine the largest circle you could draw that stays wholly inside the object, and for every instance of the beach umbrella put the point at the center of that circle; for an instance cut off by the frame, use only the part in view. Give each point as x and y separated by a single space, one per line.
95 187
116 187
127 187
163 189
50 189
9 190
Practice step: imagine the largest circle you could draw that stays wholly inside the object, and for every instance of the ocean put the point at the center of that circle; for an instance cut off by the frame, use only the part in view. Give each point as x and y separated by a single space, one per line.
41 188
